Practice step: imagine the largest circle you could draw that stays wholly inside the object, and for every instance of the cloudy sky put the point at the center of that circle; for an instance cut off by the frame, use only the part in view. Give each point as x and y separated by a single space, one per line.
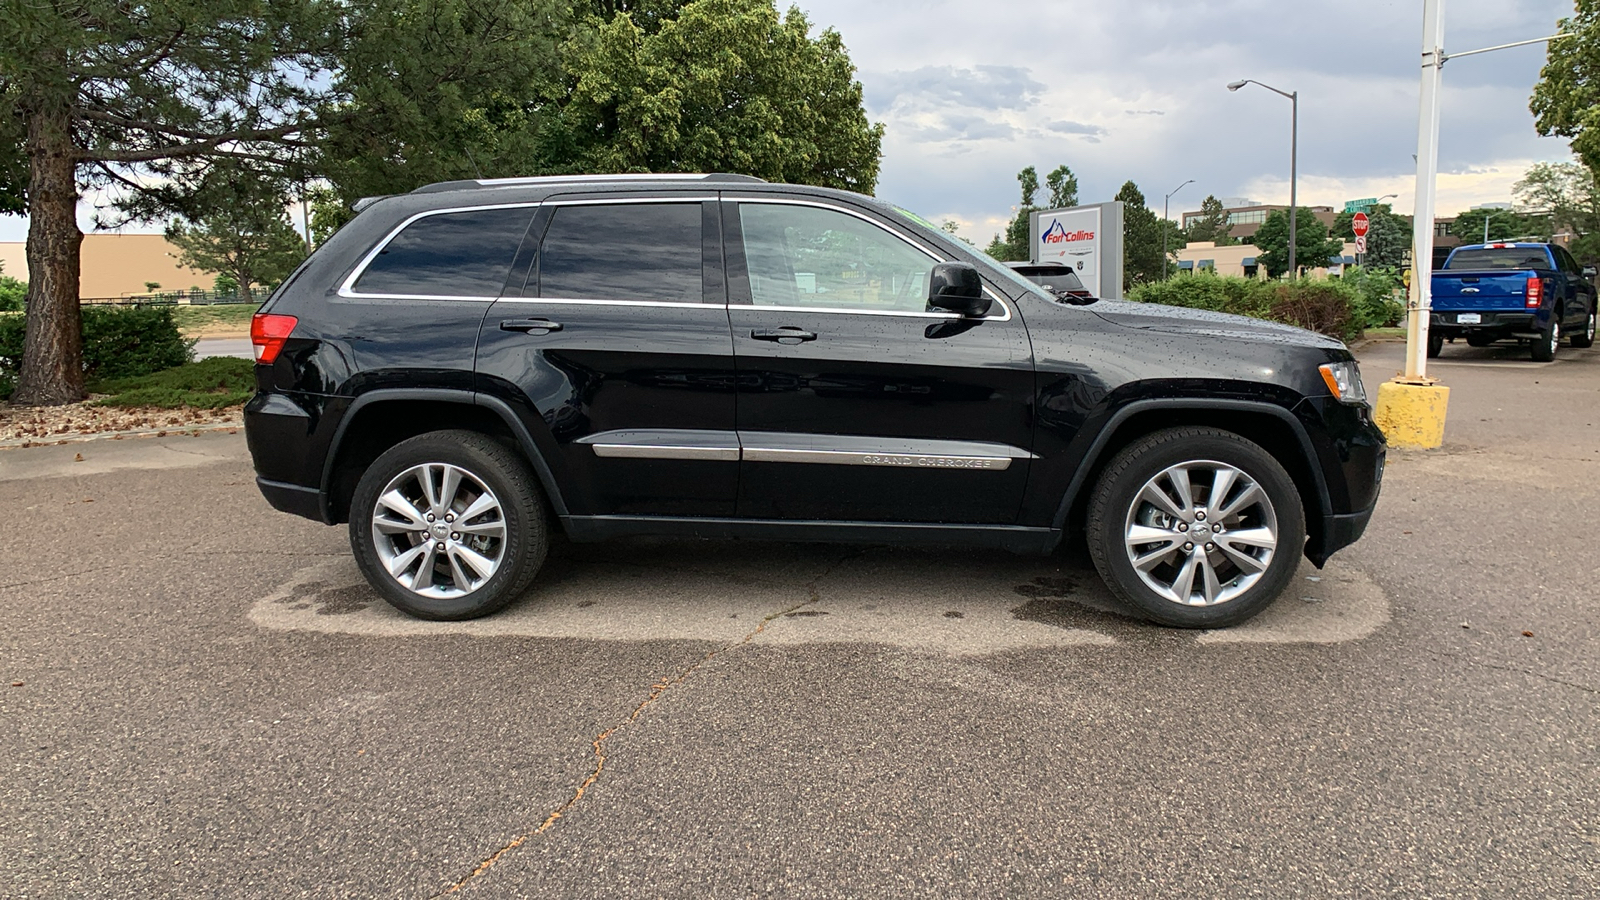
1135 89
973 91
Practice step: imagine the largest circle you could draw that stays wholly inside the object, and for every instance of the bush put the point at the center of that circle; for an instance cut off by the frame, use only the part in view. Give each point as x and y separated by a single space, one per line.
1330 307
1380 295
118 342
208 384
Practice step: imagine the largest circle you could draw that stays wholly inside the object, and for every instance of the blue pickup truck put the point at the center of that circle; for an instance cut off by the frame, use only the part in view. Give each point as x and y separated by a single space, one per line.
1532 292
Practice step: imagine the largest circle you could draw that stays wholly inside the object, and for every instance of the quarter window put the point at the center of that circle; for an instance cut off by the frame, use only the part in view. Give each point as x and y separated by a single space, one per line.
458 254
806 256
627 251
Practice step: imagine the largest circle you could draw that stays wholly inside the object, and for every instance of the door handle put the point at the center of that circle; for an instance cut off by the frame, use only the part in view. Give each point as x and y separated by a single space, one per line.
787 333
529 326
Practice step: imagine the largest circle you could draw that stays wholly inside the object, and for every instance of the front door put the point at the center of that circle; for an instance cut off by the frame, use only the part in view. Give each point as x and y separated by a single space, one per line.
855 401
617 355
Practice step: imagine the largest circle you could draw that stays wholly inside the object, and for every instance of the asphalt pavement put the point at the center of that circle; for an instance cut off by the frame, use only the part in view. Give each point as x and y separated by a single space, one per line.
198 697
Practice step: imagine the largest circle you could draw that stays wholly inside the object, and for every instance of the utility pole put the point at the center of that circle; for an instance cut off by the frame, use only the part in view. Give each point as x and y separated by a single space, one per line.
1294 165
1165 218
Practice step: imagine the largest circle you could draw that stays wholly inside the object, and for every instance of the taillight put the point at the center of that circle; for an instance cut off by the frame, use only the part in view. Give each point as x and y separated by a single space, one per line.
1533 294
267 334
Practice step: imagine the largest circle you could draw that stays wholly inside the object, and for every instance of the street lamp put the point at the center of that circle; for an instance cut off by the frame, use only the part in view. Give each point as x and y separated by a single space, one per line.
1294 161
1166 218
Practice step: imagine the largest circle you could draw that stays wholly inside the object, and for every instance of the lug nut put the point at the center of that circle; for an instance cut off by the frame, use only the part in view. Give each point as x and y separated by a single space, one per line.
1200 516
1210 547
439 546
430 517
450 517
1183 526
1188 546
454 536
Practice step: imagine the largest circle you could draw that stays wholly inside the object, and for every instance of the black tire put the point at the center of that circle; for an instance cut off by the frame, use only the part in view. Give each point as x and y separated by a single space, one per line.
1549 339
519 552
1435 344
1114 507
1479 340
1585 338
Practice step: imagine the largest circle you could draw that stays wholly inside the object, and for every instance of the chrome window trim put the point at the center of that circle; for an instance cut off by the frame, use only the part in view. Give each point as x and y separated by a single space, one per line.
347 287
587 301
784 201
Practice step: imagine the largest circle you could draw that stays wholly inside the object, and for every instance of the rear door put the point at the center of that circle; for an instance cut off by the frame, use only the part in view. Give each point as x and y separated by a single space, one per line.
616 353
856 402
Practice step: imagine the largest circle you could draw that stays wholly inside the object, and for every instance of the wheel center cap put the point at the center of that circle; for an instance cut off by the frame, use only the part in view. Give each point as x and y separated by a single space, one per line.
441 530
1200 533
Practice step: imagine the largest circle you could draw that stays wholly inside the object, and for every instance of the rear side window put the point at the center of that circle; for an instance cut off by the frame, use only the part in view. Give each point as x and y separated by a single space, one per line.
626 251
457 254
1489 258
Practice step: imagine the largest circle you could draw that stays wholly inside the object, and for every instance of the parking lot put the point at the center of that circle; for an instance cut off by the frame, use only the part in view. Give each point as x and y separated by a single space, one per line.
200 697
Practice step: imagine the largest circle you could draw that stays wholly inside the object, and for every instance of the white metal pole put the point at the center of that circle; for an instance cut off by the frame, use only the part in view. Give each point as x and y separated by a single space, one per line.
1294 181
1421 294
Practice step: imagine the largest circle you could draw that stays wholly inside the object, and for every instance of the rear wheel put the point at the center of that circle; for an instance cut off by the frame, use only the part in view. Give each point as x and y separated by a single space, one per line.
1585 338
1435 344
1549 340
448 525
1196 527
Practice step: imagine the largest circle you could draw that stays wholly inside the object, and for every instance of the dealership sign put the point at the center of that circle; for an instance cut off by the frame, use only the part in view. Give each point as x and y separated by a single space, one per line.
1087 239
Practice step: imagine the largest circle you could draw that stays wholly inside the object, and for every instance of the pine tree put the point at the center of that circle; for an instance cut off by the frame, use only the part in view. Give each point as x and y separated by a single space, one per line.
1141 239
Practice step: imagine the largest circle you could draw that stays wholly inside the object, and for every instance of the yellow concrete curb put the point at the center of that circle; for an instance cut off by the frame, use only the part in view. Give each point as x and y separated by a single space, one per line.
1412 415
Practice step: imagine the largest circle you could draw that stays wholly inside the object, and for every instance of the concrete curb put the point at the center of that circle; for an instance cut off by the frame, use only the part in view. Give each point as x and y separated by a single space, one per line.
55 440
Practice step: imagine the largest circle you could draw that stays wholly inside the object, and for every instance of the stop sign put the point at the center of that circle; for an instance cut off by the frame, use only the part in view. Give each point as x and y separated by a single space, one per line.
1359 224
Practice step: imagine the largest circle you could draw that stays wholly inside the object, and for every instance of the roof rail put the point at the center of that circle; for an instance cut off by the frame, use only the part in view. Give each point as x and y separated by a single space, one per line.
622 178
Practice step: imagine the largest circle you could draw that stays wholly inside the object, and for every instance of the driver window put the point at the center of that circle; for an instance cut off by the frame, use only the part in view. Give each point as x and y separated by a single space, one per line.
806 256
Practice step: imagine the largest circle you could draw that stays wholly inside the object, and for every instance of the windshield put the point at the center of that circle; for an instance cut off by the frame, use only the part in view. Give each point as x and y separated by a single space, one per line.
1064 281
997 269
1488 258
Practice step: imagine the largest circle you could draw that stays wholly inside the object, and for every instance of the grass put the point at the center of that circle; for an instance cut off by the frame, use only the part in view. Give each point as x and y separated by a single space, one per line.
208 384
222 316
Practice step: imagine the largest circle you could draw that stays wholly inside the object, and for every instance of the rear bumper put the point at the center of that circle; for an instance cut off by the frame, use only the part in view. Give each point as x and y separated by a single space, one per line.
1447 324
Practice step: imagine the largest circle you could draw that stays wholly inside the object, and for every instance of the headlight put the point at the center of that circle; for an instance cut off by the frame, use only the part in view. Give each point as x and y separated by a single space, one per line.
1344 382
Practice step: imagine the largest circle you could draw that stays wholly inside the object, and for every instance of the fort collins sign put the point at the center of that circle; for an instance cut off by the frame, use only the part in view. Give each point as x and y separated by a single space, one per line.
1087 239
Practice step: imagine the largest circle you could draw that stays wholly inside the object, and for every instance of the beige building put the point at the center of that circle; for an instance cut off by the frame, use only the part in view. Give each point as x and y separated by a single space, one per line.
118 265
1240 259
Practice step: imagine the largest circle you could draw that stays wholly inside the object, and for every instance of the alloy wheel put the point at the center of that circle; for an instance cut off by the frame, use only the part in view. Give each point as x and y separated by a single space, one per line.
1201 533
439 531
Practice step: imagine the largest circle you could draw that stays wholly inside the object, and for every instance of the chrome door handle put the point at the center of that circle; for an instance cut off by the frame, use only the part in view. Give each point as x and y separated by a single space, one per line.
530 326
787 334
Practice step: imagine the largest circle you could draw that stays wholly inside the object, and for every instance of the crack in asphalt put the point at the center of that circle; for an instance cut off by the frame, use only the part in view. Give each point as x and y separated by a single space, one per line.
813 596
1539 675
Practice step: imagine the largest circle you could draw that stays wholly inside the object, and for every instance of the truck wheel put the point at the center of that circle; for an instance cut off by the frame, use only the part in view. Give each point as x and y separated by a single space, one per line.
448 525
1549 340
1196 527
1585 339
1435 344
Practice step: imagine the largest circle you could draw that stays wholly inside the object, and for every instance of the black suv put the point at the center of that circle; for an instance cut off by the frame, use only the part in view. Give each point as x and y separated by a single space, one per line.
465 368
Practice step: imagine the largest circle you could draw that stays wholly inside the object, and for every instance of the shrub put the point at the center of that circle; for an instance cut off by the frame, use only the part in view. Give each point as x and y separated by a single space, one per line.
118 342
208 384
1329 307
1380 295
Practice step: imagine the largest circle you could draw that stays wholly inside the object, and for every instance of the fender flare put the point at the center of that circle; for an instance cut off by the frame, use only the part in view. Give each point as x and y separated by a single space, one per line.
1097 448
441 395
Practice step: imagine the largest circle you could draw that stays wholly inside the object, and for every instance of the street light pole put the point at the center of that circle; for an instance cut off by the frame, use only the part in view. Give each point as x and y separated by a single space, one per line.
1166 214
1421 294
1294 164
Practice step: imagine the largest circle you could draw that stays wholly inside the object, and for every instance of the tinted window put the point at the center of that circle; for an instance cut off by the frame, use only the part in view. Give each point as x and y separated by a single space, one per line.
1565 261
631 251
1499 258
805 256
462 254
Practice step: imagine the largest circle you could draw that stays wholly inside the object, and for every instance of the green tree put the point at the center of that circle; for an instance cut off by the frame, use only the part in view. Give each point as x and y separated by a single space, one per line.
953 228
1063 187
1503 225
12 292
1567 197
1014 247
1388 235
1213 225
243 232
1313 246
1566 100
1142 261
101 91
727 85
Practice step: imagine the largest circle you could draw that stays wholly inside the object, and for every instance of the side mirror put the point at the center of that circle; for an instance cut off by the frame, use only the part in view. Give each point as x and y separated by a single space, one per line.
957 287
1589 271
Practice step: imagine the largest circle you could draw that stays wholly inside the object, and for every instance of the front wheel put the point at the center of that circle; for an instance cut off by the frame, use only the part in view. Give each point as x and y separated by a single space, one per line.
1196 527
1585 339
448 525
1549 340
